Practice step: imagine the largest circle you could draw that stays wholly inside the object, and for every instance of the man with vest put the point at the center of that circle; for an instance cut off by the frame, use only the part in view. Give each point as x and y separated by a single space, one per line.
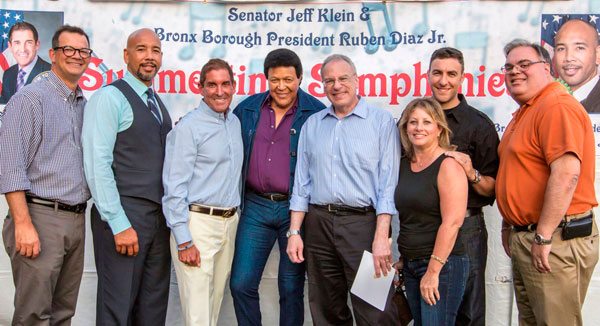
124 132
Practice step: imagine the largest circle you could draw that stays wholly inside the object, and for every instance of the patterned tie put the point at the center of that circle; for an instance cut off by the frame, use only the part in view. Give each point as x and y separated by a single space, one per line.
152 105
20 79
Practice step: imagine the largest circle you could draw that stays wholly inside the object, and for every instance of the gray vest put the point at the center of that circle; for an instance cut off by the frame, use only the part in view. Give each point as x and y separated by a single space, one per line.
140 149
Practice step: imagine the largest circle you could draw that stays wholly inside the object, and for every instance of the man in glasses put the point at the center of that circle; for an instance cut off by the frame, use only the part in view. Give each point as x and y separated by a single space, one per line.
346 175
545 191
124 133
576 56
24 44
44 185
271 123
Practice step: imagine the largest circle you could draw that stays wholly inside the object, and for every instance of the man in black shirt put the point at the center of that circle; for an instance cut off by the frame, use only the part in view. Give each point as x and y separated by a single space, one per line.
477 141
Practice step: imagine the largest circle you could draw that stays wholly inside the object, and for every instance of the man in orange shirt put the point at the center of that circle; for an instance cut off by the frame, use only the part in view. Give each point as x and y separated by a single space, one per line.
545 191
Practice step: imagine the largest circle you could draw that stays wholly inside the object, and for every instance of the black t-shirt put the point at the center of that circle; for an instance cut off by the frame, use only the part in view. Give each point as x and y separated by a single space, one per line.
474 134
418 203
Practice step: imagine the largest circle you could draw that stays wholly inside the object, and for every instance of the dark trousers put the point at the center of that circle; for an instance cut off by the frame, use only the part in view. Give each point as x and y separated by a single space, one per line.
46 287
451 286
474 235
133 290
334 246
264 221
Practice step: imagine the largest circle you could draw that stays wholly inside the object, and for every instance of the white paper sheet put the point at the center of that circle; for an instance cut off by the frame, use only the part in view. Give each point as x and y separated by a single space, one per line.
373 290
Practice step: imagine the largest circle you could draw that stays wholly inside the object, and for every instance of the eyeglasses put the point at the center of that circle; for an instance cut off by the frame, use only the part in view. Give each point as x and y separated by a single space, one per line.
344 80
521 66
69 51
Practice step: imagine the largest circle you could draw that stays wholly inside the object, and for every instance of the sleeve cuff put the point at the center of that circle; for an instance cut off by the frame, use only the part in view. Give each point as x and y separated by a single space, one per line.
299 204
119 224
386 208
182 233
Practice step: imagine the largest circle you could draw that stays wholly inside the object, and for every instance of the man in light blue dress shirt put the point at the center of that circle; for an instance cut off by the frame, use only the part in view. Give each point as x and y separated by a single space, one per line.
201 177
124 131
346 175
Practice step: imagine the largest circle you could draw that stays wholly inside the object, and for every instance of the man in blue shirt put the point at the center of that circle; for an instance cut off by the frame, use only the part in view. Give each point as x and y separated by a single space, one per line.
201 177
124 131
346 175
271 123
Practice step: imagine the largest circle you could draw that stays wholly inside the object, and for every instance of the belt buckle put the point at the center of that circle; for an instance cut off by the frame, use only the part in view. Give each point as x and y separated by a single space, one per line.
335 211
227 213
272 197
530 227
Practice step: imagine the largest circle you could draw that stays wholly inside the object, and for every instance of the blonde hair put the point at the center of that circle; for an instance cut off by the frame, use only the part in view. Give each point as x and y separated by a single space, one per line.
434 109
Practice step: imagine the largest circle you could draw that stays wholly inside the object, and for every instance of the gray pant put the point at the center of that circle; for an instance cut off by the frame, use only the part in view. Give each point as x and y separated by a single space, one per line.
46 287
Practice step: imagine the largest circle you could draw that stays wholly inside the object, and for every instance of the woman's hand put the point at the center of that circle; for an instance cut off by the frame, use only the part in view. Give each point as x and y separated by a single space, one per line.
429 287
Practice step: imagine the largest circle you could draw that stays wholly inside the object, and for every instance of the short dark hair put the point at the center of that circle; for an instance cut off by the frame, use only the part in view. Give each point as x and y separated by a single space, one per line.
23 26
282 58
68 29
448 53
215 64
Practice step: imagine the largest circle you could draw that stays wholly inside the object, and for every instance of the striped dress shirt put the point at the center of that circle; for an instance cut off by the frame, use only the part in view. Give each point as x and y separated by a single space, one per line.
353 160
40 142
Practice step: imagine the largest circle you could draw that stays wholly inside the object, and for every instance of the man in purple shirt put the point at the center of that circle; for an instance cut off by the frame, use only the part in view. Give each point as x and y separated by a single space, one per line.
271 123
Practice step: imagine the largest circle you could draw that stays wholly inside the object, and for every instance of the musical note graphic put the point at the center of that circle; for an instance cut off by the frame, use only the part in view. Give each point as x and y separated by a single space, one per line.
389 27
535 20
136 19
333 27
472 40
422 27
205 12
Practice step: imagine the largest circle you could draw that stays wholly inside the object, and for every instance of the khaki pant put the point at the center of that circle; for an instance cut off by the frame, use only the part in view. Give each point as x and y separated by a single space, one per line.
554 298
201 288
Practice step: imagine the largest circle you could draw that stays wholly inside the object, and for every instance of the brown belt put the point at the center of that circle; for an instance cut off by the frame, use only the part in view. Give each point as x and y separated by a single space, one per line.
209 210
533 227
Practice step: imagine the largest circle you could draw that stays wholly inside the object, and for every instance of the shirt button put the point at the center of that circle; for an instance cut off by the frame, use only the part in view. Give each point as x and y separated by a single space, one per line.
334 156
335 194
269 160
272 142
272 126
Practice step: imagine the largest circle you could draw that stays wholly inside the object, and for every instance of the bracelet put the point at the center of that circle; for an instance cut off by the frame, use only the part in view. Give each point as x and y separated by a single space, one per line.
186 247
438 259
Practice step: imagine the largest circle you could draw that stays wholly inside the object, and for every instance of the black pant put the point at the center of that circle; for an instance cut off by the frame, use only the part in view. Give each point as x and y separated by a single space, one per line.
334 246
474 235
133 290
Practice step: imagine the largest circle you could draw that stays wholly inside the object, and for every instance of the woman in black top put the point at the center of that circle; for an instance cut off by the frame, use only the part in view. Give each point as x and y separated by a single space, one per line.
431 199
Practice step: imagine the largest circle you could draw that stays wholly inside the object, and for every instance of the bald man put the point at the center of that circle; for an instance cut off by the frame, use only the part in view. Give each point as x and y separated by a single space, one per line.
124 131
576 56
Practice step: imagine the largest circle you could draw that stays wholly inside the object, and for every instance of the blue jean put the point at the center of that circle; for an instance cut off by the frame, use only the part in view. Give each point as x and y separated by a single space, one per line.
452 280
263 221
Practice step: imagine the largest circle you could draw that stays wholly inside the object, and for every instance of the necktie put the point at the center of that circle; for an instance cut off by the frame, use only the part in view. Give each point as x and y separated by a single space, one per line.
20 79
152 105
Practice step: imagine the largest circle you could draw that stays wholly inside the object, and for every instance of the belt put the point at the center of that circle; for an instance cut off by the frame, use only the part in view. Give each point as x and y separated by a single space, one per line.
340 209
533 227
209 210
273 196
78 209
473 211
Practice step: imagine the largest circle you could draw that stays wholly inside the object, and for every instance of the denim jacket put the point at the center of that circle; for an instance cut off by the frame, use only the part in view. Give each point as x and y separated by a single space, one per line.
248 111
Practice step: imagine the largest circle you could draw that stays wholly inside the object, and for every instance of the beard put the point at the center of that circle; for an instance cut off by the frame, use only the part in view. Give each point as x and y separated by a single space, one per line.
145 76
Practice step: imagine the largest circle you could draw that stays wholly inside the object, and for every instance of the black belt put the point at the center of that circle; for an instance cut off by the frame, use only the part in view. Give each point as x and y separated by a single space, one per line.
533 227
225 213
78 209
473 211
273 196
341 209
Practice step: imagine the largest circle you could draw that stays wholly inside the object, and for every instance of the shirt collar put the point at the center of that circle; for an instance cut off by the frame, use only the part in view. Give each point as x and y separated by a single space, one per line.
138 86
458 111
28 68
548 88
359 110
62 88
212 113
582 92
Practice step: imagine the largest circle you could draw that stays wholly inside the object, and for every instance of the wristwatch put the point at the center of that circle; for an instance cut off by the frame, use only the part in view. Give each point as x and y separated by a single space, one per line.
541 240
291 233
477 178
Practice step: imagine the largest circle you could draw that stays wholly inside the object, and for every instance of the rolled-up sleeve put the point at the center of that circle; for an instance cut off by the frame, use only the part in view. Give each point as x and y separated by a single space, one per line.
389 167
20 137
180 157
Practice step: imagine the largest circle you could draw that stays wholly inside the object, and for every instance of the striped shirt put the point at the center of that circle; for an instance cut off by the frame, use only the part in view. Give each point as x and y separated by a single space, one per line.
40 142
353 160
